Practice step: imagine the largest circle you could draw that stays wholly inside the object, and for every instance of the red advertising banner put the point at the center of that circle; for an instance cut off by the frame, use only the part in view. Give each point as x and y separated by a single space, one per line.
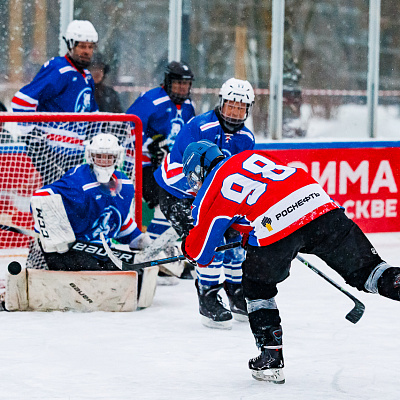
363 177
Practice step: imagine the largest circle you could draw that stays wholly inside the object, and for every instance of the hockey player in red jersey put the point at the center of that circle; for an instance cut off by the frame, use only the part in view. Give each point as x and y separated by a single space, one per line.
283 211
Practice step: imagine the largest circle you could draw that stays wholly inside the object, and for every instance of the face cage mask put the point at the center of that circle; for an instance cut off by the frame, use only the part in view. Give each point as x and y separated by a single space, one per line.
103 173
176 97
231 120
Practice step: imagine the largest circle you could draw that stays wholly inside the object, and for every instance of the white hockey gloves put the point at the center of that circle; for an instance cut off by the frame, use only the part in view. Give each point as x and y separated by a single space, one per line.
140 242
52 222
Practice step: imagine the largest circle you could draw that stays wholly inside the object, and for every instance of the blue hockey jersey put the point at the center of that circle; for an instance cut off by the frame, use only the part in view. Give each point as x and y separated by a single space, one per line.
205 126
160 115
58 87
92 208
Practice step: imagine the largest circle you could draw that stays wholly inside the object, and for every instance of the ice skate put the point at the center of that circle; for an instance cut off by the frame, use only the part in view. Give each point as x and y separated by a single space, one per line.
212 311
237 302
268 366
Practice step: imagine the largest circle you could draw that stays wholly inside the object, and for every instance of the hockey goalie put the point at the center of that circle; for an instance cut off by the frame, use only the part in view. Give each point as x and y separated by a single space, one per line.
72 212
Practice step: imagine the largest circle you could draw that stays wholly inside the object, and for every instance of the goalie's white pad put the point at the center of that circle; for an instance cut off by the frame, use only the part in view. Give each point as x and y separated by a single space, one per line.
85 291
52 222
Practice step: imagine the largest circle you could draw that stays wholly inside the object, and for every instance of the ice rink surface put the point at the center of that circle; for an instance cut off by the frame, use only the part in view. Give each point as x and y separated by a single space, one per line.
164 352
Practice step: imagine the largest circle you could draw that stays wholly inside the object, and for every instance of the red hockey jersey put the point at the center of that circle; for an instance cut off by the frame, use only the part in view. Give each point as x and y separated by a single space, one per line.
254 192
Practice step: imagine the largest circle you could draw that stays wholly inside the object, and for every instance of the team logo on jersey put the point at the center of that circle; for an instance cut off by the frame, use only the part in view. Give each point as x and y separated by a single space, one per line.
109 223
266 223
176 126
228 137
82 103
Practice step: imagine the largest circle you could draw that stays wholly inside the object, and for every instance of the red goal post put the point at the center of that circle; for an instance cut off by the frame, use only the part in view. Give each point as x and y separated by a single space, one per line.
38 148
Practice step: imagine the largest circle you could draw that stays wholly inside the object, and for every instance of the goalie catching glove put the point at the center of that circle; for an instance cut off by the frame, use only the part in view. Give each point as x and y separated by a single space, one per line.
51 221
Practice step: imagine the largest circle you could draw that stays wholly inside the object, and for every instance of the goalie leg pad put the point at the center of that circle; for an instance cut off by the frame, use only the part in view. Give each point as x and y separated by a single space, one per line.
148 287
85 291
52 222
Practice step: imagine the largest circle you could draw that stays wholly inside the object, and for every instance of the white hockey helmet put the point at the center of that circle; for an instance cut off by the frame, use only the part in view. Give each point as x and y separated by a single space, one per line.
236 90
104 154
80 31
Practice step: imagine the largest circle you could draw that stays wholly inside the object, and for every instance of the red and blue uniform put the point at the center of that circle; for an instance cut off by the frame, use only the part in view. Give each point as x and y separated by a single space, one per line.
254 193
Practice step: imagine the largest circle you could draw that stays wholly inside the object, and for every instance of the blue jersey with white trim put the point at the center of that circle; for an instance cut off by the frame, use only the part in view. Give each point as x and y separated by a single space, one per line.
160 115
205 126
58 87
92 208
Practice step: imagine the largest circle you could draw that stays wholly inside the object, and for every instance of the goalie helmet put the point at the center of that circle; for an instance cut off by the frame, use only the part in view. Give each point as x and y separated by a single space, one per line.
198 161
178 71
237 93
104 154
80 31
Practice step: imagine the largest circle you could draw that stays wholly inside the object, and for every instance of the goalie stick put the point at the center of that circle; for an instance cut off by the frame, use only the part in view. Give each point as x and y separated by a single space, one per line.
90 248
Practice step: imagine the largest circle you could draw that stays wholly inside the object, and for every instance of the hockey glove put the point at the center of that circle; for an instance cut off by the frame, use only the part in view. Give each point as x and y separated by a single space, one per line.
190 259
158 149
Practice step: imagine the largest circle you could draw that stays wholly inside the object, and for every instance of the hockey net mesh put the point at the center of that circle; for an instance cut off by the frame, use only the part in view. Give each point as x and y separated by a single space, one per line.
35 153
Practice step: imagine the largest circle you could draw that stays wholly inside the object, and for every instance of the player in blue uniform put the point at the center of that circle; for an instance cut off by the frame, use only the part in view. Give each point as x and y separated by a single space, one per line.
163 111
63 84
223 126
88 200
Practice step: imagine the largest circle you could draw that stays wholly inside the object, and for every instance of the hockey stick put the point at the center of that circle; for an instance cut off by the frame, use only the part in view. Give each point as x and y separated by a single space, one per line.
353 316
22 231
358 310
84 247
134 267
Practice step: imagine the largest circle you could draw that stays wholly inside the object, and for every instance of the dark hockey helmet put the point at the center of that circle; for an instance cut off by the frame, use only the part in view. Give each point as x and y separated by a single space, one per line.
178 71
198 161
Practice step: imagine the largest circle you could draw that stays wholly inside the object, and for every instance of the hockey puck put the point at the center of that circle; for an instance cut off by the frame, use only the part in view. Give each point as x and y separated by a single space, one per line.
14 268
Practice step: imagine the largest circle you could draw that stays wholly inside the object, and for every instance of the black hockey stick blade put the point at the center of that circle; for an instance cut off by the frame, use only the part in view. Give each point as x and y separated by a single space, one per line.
358 310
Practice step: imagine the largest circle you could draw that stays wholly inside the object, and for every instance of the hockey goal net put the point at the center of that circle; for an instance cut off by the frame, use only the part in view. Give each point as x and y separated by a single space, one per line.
38 148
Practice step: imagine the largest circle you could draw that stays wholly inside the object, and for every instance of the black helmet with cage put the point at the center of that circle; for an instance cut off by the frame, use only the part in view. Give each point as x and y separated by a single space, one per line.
181 72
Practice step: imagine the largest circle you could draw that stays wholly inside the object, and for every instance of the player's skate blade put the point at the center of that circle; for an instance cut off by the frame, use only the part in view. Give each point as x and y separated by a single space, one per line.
209 323
274 375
